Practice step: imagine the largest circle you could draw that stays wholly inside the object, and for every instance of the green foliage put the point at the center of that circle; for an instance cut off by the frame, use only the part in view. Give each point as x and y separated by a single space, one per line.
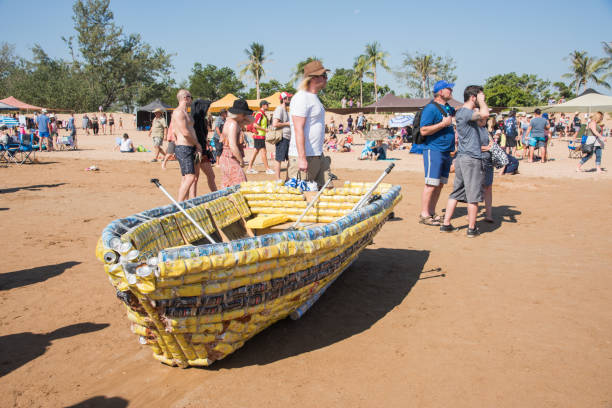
268 88
563 91
116 67
585 69
513 90
342 84
422 70
210 82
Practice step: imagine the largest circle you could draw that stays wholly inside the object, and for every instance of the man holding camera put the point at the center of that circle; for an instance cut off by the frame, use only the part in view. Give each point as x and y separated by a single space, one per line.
469 175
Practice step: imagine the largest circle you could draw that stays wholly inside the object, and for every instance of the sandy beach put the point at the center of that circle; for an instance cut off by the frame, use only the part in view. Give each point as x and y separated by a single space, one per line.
518 317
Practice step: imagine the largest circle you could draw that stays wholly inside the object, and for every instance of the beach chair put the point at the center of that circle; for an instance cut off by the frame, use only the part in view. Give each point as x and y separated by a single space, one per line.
10 153
27 153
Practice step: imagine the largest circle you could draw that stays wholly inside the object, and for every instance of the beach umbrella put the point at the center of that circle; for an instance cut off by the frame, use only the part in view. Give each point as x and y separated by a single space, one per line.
401 121
9 122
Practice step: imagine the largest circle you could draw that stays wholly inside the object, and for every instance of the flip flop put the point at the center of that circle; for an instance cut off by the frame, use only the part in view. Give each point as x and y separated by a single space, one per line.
429 220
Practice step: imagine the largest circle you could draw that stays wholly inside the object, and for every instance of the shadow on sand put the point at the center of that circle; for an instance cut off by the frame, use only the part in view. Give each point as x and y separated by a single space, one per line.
378 281
12 280
21 348
501 214
101 401
36 187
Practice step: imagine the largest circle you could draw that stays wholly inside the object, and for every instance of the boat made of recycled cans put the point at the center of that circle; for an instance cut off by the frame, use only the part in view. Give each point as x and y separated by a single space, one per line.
194 302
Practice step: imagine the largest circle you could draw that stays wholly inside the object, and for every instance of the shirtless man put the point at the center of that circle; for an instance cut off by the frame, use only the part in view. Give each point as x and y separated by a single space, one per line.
186 143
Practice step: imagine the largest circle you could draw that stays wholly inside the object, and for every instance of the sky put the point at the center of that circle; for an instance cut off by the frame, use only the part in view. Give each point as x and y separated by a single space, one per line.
484 37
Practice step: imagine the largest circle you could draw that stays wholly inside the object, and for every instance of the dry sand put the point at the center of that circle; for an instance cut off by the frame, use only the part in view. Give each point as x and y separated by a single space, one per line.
518 317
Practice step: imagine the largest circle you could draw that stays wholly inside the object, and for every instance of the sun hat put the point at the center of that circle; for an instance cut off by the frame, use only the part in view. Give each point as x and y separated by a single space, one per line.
314 68
264 102
438 86
157 110
284 95
240 106
44 110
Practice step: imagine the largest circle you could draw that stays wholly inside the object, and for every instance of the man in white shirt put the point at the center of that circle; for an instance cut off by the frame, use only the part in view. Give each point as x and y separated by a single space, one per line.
308 127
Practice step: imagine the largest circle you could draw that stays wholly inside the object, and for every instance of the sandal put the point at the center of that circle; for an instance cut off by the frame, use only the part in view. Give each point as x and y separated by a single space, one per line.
429 220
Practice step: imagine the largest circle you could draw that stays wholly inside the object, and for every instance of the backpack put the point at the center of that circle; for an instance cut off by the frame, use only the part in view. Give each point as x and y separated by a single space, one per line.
251 127
417 137
510 127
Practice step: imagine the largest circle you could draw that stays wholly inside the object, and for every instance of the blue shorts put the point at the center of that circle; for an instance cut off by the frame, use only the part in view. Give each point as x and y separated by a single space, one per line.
43 134
437 166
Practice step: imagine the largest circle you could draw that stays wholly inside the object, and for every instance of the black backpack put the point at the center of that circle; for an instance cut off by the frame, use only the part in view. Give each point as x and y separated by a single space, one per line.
417 137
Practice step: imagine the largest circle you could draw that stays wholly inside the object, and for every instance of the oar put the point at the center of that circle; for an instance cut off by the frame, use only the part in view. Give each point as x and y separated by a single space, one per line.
177 205
366 197
314 200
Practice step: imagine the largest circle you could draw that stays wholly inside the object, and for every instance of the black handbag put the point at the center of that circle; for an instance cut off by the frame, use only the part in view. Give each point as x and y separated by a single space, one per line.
588 148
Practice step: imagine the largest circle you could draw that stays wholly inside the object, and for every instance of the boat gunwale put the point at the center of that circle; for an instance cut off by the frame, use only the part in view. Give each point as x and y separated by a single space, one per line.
189 251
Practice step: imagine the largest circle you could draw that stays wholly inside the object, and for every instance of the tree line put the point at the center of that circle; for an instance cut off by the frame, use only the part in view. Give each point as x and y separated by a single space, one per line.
115 70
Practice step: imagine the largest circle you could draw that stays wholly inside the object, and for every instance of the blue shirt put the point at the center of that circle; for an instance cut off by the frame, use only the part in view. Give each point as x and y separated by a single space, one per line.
444 139
70 125
43 123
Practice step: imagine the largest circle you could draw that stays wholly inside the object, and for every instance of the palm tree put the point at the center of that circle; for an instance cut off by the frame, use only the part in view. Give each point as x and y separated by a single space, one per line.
254 66
299 69
360 70
422 68
374 55
607 46
584 69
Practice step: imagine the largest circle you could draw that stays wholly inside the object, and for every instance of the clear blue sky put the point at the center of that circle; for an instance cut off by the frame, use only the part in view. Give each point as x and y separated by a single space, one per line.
484 37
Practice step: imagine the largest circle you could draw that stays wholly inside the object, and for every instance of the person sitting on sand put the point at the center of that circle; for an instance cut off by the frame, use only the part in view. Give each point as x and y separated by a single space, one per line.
379 152
126 144
366 153
331 144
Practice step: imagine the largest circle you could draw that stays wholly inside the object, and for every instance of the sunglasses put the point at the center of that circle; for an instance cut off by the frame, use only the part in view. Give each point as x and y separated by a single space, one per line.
320 76
188 96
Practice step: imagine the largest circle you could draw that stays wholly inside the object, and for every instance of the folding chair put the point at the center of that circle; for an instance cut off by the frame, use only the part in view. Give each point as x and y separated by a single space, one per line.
11 153
26 150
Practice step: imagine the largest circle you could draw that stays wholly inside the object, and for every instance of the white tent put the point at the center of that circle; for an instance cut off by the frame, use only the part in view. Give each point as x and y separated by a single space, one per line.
587 102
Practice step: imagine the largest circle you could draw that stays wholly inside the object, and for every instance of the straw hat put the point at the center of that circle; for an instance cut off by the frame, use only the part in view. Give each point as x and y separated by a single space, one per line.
377 134
157 110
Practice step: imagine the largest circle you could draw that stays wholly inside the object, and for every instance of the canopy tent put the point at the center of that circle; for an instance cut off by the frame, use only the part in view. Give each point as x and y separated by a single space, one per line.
156 104
589 101
144 114
19 104
224 103
273 99
401 121
6 106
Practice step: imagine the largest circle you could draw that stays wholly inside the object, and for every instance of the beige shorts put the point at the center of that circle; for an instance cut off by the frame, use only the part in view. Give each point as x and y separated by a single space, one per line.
318 167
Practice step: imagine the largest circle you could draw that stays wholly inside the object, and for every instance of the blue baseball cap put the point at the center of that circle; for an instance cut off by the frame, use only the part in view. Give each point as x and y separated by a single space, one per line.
442 85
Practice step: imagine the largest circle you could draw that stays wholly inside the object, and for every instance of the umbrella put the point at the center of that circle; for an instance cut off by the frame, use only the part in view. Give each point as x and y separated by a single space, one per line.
401 121
10 122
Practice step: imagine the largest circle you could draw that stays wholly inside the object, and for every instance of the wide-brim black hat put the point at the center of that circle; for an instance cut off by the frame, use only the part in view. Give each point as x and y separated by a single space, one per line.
240 106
